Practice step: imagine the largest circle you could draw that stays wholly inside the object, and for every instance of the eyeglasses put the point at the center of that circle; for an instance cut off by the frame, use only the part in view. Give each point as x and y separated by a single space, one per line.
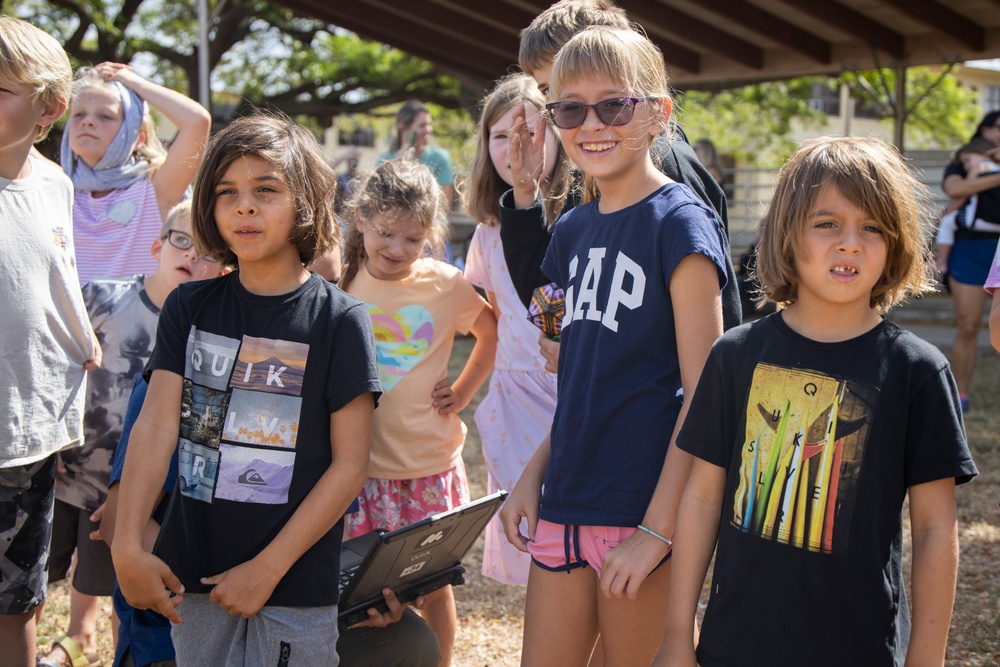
184 242
615 111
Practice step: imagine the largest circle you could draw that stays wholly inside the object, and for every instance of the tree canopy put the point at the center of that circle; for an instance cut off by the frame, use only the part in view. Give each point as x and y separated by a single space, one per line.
262 53
755 122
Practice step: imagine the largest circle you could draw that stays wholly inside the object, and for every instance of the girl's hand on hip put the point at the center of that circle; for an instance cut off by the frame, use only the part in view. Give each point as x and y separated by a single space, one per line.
627 565
446 400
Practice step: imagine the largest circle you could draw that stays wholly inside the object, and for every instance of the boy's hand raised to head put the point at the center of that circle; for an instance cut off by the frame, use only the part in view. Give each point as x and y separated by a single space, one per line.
244 589
147 583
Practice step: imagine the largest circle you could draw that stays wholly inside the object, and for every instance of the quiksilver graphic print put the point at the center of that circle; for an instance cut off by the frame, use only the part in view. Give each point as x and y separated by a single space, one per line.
803 451
240 413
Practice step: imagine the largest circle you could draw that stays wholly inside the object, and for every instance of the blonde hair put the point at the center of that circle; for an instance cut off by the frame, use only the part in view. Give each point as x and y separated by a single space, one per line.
31 56
182 210
398 185
482 191
620 55
871 175
149 150
297 154
550 30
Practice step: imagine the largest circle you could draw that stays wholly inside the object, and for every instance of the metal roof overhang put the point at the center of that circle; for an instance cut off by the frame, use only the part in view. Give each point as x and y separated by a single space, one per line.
706 43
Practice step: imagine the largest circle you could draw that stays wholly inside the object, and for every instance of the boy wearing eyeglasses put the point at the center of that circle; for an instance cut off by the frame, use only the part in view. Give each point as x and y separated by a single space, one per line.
124 313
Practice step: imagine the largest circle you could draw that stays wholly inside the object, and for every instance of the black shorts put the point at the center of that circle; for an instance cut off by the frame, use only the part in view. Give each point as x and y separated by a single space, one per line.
94 573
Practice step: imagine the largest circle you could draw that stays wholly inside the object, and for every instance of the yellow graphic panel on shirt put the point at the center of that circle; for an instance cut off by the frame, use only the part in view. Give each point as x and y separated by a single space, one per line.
401 340
799 465
256 418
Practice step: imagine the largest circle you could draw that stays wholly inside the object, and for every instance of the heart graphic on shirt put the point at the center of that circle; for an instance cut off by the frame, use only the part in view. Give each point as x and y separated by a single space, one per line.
401 340
121 212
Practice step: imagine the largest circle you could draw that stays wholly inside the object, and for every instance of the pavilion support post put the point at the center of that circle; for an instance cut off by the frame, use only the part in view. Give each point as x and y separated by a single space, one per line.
900 107
204 94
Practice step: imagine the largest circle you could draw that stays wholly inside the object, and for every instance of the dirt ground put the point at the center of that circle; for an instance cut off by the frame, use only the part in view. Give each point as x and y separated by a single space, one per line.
490 614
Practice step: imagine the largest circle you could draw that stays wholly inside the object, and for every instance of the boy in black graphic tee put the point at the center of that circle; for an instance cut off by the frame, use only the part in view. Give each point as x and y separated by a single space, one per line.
810 427
272 373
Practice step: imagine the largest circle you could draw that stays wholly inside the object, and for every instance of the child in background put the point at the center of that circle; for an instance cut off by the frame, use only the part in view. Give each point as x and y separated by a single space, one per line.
272 372
414 129
992 283
642 270
975 157
125 181
124 314
417 304
45 338
516 414
811 427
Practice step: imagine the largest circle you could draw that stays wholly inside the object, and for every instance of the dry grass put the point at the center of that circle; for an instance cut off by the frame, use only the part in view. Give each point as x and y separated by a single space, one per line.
490 613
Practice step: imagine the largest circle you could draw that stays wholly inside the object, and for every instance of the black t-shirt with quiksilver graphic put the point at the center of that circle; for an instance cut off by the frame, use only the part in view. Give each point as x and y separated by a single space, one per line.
262 374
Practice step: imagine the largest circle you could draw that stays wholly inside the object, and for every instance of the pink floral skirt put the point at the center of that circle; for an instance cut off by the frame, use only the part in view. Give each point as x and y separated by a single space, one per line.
388 504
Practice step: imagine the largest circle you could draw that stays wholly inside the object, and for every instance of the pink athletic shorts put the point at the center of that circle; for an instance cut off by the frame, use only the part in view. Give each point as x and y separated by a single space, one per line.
560 548
388 504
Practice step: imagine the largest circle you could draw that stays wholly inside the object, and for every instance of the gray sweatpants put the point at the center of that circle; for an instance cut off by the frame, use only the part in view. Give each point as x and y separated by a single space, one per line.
273 637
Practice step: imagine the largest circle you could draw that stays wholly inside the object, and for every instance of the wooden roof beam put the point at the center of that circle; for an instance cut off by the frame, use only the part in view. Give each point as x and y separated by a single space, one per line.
854 23
675 55
438 20
656 17
772 27
514 18
442 51
945 20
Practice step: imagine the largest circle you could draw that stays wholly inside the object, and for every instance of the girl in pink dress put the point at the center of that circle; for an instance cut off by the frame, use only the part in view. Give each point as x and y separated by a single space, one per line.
517 411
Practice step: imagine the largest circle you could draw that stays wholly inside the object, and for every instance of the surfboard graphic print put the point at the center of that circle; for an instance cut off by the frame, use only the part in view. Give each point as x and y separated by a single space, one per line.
803 451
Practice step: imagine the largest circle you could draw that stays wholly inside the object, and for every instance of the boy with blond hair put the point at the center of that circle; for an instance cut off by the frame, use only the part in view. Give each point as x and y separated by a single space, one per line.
47 342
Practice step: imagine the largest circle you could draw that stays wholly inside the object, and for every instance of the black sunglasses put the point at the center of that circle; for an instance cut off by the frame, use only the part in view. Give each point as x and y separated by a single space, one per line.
615 111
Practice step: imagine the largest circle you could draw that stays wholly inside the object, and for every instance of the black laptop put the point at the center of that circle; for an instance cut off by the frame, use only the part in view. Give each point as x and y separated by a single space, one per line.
412 561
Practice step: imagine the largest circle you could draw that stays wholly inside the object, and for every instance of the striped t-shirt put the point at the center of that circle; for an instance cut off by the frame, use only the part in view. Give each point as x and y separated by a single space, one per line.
114 233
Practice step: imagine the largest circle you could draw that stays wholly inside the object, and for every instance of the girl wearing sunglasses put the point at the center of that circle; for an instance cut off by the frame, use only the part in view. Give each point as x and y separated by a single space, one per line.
642 267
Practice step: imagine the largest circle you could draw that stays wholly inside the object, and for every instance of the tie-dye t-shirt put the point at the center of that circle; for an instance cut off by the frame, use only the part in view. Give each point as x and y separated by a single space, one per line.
124 320
415 321
262 375
819 442
993 279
